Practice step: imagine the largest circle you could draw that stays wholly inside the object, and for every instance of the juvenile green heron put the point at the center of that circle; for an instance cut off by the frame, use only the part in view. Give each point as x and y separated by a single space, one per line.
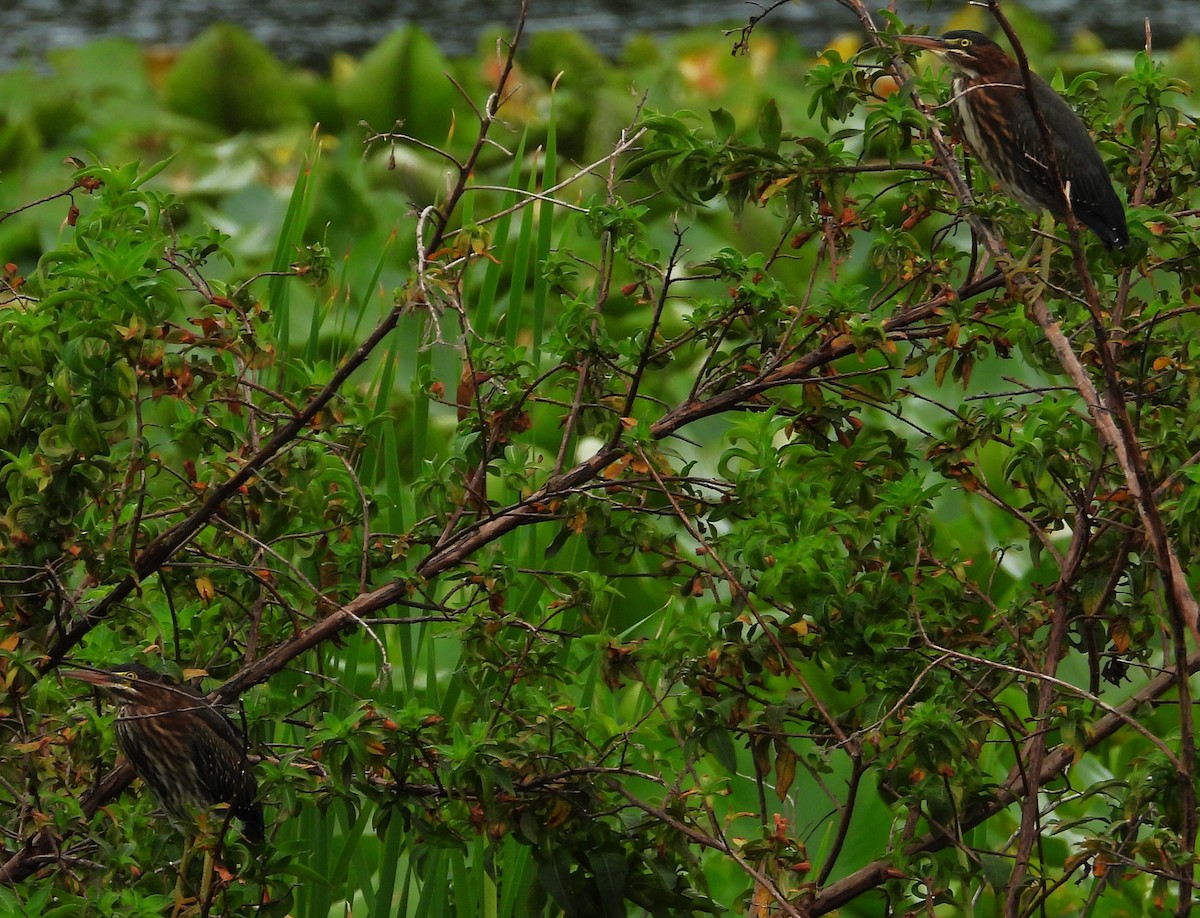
190 755
999 125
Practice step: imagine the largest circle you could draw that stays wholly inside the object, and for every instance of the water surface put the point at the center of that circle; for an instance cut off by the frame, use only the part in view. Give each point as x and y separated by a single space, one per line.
309 31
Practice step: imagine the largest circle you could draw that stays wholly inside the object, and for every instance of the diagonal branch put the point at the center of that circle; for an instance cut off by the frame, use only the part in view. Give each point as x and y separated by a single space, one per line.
161 549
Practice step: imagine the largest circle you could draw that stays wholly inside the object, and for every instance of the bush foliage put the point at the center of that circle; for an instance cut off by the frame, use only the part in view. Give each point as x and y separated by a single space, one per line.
651 513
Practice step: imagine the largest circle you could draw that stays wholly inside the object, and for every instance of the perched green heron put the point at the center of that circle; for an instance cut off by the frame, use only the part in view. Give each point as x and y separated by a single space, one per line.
999 125
190 755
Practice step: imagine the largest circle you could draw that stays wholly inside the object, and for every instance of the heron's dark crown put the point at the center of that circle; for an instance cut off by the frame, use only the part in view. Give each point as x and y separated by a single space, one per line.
973 53
128 683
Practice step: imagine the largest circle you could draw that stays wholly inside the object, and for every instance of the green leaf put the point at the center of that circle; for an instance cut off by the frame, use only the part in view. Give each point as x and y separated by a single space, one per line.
770 126
723 123
611 872
718 741
554 874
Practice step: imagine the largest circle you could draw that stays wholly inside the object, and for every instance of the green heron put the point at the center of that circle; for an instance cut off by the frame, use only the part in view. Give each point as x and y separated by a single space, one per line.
1000 127
190 754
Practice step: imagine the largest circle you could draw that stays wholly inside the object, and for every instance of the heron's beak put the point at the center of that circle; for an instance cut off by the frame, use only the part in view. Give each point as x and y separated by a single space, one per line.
91 676
925 42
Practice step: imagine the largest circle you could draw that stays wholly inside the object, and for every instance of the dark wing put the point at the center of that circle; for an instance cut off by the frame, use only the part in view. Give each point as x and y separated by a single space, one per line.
1093 199
219 750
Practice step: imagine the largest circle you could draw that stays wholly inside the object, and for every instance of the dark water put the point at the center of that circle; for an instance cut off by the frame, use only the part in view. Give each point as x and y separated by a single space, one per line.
309 31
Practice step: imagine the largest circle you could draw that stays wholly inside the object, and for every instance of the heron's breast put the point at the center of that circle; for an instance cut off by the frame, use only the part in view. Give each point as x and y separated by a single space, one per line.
990 137
160 752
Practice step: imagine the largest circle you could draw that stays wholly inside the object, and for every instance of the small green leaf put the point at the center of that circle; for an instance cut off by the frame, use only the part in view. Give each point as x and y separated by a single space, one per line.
722 123
770 127
720 744
611 873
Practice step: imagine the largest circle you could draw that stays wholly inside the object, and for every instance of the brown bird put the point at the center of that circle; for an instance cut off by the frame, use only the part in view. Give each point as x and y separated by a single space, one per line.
190 755
999 125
